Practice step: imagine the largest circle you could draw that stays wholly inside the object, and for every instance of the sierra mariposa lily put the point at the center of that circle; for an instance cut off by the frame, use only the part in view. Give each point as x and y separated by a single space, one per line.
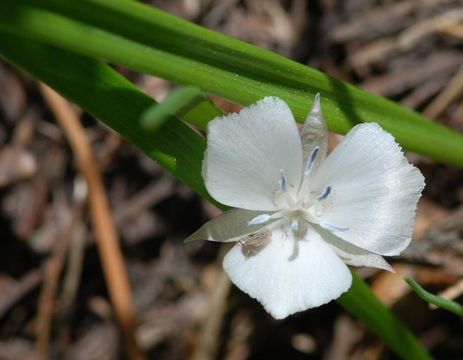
301 215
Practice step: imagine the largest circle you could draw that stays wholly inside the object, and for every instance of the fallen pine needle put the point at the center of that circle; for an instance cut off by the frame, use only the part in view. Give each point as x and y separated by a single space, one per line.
113 264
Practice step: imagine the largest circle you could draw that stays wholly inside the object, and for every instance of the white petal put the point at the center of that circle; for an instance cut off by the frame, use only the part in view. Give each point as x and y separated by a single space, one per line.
353 255
314 136
229 226
247 153
286 278
374 191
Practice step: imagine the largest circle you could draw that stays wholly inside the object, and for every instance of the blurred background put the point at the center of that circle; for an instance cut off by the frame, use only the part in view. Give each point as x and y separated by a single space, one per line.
53 296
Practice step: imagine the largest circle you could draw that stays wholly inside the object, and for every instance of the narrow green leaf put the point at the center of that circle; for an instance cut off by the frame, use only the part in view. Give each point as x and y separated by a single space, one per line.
108 96
102 92
180 103
434 299
202 113
362 303
147 40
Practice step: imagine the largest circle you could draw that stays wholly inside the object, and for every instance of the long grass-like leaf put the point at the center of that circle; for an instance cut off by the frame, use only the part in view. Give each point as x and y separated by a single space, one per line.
362 303
148 40
439 301
108 96
182 103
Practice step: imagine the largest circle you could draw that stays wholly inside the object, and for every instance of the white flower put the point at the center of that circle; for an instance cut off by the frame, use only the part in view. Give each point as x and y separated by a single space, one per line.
302 215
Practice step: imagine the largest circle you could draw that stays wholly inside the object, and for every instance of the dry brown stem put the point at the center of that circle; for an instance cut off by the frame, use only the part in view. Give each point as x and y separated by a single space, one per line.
114 267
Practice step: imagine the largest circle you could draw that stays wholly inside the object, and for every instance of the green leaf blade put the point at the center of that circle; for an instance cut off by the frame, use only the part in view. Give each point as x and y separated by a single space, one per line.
106 95
361 302
147 40
439 301
182 103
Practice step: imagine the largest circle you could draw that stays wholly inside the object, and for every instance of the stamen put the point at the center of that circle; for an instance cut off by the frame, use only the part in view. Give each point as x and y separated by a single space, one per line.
294 225
295 252
311 160
283 181
277 215
325 193
332 227
259 219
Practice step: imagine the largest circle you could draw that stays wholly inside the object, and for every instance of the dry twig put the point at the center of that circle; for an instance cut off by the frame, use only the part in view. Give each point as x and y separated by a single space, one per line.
106 237
52 275
210 331
451 92
17 291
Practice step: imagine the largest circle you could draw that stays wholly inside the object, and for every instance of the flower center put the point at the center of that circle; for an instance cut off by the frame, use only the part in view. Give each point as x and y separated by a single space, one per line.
300 210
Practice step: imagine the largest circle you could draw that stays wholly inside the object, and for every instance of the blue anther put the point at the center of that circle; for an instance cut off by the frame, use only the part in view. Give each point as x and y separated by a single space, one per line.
325 193
332 227
259 219
311 160
283 181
